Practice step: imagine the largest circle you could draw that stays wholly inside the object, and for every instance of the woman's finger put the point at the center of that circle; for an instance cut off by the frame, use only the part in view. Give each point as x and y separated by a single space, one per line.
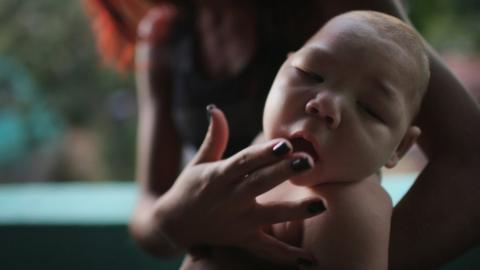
264 179
272 249
216 138
255 157
276 212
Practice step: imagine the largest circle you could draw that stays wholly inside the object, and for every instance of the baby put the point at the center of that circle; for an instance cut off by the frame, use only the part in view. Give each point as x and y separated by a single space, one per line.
347 98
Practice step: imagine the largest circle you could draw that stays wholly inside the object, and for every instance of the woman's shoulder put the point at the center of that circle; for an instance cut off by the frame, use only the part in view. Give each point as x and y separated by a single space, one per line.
159 22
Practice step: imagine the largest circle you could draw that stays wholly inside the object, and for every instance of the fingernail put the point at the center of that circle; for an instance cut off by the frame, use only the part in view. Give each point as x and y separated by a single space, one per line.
300 164
304 262
210 107
316 207
281 149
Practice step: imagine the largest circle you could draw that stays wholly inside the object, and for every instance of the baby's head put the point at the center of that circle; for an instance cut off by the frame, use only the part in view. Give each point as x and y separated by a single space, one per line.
349 95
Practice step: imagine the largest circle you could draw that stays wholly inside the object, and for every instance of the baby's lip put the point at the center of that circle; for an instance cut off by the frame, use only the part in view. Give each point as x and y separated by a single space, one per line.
305 142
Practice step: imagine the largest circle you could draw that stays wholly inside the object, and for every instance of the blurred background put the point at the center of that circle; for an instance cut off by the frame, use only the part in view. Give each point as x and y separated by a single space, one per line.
67 121
63 116
66 117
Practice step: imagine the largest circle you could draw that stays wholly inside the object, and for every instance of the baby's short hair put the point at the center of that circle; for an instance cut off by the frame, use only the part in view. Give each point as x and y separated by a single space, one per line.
406 38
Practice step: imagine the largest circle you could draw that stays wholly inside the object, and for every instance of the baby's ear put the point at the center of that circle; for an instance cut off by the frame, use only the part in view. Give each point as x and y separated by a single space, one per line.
408 140
290 54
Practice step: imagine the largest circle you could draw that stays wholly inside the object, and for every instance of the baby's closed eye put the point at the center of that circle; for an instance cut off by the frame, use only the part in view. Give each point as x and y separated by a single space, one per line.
310 75
368 110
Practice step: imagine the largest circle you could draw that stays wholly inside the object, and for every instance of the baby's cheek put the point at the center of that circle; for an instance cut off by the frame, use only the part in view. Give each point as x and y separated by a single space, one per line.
271 122
267 121
366 163
268 129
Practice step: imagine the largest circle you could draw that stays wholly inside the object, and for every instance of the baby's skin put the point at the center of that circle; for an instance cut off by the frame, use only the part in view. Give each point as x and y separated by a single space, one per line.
347 99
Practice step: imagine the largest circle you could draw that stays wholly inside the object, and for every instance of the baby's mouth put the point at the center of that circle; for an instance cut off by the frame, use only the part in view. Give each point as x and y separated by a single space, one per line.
302 145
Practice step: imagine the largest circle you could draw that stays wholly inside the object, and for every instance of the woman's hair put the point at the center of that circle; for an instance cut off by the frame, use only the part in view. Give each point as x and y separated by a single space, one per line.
114 25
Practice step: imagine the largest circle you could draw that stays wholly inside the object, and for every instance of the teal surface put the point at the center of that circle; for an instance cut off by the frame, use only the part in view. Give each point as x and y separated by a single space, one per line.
84 226
72 203
98 203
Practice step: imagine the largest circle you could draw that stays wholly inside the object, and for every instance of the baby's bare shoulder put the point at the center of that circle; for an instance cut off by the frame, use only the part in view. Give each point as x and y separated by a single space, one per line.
354 227
354 196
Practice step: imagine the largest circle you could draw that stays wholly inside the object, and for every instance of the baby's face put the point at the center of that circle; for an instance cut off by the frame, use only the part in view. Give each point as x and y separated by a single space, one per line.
342 99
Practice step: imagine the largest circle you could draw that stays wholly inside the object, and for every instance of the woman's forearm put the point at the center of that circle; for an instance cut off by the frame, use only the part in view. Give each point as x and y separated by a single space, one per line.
158 158
439 217
158 151
158 145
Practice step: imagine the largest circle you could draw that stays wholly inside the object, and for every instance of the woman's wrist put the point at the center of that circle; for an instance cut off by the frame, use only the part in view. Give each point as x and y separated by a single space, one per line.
150 225
170 224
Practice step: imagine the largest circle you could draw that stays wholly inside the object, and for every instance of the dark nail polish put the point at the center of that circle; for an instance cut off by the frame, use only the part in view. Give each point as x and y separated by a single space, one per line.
300 164
210 107
281 149
316 207
304 262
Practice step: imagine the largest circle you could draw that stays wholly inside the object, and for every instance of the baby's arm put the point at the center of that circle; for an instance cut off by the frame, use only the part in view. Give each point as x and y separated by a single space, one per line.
354 231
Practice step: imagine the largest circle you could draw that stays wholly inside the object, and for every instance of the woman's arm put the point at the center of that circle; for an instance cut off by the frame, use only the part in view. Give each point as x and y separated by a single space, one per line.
158 145
439 217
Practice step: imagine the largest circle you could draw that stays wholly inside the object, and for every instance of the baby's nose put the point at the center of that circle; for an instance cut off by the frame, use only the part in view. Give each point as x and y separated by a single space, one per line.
325 106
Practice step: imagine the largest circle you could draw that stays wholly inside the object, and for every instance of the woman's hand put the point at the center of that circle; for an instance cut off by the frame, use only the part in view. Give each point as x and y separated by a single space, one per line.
213 201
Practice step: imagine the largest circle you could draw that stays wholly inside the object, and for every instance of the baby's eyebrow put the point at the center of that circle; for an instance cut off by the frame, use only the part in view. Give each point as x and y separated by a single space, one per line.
319 52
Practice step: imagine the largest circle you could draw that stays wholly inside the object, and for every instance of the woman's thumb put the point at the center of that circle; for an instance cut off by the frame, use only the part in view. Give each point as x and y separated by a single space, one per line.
216 139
